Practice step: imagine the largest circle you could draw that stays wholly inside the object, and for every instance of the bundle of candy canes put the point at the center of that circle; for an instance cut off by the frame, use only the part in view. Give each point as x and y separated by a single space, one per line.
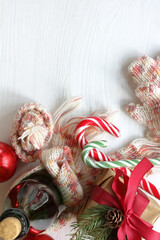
34 127
146 74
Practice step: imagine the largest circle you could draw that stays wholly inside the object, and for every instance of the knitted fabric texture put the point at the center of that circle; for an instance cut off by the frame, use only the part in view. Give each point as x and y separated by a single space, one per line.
31 131
64 136
145 71
59 163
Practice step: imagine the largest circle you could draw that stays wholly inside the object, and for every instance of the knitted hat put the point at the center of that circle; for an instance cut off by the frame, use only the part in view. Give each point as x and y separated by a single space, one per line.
31 131
63 162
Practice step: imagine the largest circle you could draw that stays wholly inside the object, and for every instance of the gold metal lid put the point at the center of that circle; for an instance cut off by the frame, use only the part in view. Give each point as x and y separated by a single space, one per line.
10 228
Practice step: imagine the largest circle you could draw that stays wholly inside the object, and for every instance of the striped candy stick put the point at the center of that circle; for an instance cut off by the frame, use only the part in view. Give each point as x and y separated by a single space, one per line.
113 164
146 185
96 122
99 156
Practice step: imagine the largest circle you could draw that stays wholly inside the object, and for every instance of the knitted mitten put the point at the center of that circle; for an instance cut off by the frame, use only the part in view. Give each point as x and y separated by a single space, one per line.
145 71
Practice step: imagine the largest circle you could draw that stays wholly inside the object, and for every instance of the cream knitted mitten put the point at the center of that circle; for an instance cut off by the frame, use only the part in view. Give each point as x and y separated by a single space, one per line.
145 71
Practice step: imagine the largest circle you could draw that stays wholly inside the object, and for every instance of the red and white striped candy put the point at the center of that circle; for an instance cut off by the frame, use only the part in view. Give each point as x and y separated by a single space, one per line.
99 156
96 122
144 184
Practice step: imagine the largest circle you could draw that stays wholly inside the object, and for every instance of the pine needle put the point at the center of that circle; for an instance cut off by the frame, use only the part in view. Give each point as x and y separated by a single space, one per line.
92 224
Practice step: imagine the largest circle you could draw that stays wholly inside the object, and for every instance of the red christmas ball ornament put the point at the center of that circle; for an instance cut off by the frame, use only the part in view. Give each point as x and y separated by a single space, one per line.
8 162
38 237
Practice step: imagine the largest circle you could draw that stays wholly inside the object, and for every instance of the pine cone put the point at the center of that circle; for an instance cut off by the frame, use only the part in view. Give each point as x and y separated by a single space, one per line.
114 218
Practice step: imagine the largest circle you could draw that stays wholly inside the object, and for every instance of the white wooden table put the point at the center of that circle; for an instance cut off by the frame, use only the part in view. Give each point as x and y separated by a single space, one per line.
51 50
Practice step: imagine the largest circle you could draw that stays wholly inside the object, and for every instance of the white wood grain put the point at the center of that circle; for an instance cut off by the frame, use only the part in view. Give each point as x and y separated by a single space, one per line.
54 49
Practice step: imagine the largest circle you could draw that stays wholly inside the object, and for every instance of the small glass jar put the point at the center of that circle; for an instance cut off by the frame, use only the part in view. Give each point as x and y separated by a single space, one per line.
38 197
22 218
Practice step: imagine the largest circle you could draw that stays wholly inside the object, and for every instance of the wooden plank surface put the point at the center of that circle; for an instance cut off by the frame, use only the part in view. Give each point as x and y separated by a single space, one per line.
51 50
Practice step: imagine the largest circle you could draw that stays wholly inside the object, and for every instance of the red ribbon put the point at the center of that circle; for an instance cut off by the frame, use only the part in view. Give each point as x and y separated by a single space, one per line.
133 227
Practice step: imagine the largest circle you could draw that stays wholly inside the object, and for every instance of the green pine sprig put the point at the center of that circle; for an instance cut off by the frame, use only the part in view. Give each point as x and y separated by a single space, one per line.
92 225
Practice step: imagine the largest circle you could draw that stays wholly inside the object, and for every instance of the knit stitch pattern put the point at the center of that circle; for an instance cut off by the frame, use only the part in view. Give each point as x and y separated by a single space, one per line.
145 71
31 131
60 165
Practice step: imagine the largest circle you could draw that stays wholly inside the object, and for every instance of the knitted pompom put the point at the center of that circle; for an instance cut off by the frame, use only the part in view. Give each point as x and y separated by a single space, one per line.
31 131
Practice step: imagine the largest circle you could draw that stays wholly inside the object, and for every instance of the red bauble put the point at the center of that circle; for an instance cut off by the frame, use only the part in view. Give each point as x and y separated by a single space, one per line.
8 162
38 237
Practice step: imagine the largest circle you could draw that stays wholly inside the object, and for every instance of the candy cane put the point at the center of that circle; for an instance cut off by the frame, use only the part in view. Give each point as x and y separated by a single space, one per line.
99 156
146 185
100 123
